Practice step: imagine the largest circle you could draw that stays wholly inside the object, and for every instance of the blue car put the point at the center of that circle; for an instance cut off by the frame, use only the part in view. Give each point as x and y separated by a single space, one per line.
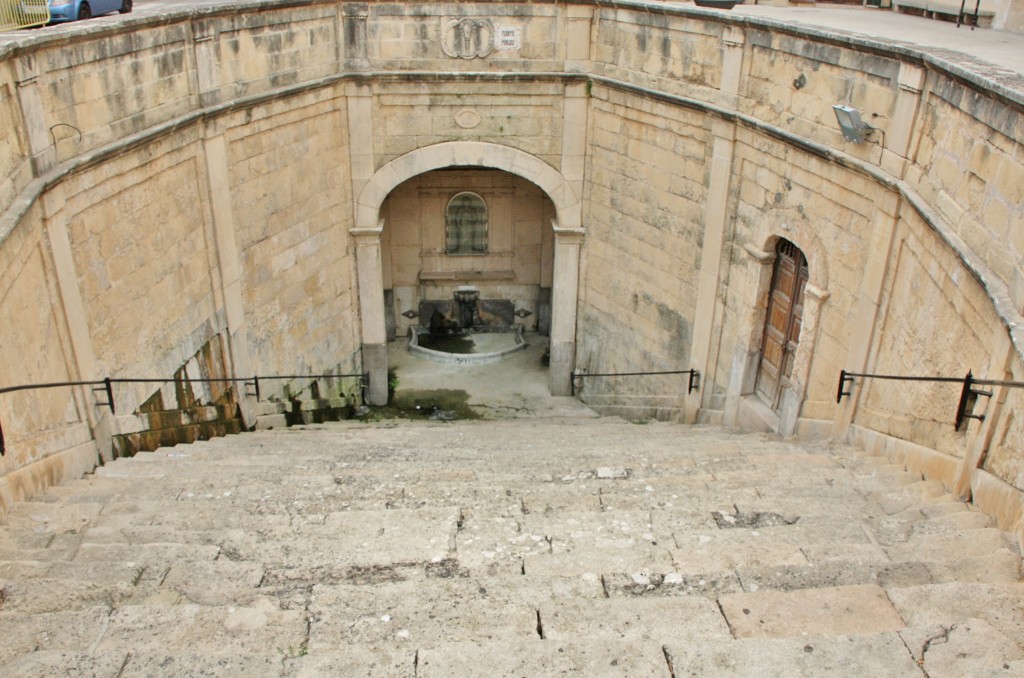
71 10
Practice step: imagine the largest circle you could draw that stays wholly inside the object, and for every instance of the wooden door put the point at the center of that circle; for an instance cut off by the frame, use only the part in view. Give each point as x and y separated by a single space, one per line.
782 323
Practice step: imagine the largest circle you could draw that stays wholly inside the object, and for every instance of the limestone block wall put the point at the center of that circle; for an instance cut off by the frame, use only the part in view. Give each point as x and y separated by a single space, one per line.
168 183
247 53
288 170
661 50
968 166
529 117
791 81
137 229
935 320
47 425
15 167
645 195
151 226
83 93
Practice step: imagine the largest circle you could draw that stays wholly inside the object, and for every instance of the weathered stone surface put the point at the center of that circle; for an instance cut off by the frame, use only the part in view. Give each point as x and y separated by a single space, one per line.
43 663
810 656
537 657
949 603
840 611
471 581
416 614
73 632
652 619
355 660
968 648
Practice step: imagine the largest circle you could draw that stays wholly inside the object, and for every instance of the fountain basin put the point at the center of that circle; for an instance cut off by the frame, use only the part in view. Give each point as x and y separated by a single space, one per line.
494 344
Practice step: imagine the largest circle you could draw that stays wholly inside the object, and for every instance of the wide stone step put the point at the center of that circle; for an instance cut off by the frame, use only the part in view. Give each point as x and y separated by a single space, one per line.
502 548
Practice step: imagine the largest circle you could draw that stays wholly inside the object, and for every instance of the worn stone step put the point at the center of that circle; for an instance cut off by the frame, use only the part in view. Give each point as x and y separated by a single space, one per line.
501 549
510 659
72 631
881 655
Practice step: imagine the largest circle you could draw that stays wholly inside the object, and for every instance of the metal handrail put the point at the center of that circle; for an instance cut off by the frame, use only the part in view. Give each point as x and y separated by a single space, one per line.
106 385
968 394
694 382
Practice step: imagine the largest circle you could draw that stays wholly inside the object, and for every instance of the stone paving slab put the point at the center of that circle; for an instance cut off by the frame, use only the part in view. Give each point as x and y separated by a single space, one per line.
540 658
148 664
357 661
877 656
73 631
1001 605
841 610
416 614
633 620
226 631
705 558
971 647
220 582
592 559
50 663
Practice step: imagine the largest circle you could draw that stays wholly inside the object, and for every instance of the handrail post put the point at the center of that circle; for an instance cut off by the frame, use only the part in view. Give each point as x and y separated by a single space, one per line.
108 388
961 409
968 397
840 392
694 381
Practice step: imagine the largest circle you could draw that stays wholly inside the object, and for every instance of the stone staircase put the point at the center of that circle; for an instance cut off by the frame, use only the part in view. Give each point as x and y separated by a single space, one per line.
506 548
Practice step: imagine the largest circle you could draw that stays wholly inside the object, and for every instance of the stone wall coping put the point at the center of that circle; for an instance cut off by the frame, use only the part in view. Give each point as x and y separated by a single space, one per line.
1002 83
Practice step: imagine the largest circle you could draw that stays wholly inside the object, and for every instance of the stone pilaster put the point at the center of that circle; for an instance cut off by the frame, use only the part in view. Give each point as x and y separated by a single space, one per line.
578 23
228 264
715 225
574 136
981 433
864 315
360 148
732 60
371 310
83 354
565 290
34 118
204 50
911 83
353 20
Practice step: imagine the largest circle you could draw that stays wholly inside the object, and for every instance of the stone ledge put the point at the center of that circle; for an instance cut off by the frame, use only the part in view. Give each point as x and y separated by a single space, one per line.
930 463
55 469
1001 500
466 275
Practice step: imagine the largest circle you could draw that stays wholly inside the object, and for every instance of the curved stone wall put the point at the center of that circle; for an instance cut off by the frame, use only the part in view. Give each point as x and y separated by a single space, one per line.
194 179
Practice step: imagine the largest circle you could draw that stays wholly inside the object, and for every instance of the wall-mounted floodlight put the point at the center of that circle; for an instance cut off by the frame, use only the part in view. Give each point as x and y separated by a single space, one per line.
854 129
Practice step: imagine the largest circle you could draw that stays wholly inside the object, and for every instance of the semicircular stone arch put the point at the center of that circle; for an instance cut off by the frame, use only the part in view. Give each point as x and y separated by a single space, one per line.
568 206
568 229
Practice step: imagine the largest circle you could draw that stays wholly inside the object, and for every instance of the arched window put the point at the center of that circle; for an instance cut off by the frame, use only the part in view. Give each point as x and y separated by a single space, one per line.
466 224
